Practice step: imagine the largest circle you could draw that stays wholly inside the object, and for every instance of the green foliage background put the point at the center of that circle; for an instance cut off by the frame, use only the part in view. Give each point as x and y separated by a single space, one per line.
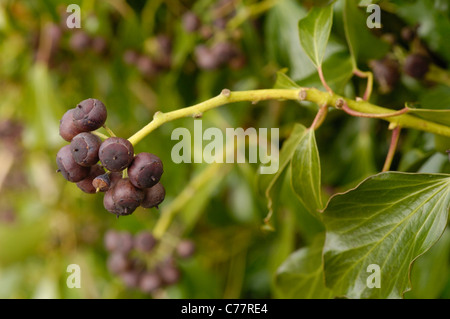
55 224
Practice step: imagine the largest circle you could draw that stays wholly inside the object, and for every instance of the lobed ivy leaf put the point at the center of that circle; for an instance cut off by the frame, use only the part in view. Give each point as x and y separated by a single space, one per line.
282 38
305 177
284 82
362 43
428 284
388 220
437 116
301 275
337 69
314 31
270 184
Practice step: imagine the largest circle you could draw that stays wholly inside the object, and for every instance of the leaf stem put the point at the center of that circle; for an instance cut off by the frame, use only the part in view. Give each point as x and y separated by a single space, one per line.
369 86
214 170
320 117
351 112
322 79
392 148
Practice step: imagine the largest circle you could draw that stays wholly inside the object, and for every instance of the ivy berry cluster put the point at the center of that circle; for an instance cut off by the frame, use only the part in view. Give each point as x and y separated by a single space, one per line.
133 259
78 162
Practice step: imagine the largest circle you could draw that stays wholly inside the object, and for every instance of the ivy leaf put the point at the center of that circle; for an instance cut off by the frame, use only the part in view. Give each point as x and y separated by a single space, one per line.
388 220
305 177
428 284
362 43
338 70
270 184
301 275
282 38
314 31
437 116
284 82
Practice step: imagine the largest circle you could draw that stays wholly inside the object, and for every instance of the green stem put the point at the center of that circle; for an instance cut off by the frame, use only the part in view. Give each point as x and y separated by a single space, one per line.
312 95
101 135
212 171
369 86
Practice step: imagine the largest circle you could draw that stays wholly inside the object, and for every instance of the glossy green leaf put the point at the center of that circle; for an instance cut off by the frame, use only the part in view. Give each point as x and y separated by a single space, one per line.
314 31
284 82
433 18
305 178
282 38
270 184
337 69
362 43
428 284
437 116
301 275
388 220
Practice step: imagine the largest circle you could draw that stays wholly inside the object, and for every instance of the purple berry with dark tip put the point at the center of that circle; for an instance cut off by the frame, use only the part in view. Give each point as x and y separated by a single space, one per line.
153 196
86 184
69 169
116 154
145 171
144 241
185 248
67 128
416 66
118 263
89 115
149 282
84 148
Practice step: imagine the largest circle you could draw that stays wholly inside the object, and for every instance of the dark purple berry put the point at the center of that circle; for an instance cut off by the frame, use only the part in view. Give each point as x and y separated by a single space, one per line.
146 66
416 66
205 58
220 23
116 154
84 148
109 204
125 243
123 198
67 128
111 240
145 170
130 278
149 282
144 241
69 169
153 196
126 197
99 45
190 21
130 57
90 115
118 263
169 274
80 41
386 73
102 183
408 34
185 248
224 51
86 184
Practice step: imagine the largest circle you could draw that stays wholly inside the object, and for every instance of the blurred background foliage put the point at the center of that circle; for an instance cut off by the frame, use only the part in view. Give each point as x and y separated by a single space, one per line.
139 57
